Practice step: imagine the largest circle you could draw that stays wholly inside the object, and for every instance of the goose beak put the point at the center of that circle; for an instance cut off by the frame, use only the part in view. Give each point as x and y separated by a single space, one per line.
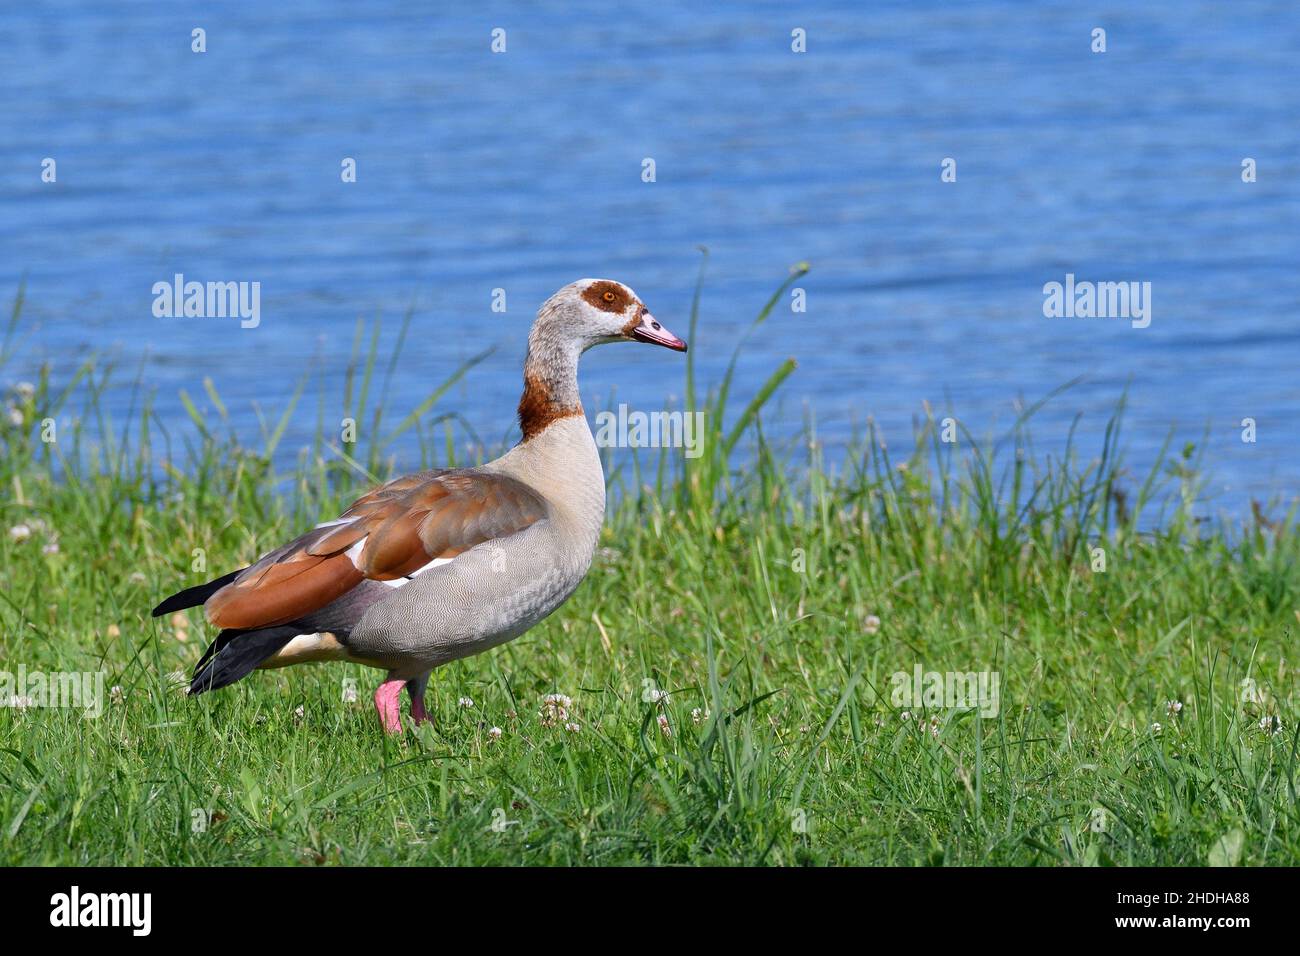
649 330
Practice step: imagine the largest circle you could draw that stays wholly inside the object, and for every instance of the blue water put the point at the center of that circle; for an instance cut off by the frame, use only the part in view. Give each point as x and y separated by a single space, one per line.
522 171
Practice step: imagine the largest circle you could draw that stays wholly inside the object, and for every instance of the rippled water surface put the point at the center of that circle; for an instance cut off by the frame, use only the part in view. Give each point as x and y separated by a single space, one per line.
522 171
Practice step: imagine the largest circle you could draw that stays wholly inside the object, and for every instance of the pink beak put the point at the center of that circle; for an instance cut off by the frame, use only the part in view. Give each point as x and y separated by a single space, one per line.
649 330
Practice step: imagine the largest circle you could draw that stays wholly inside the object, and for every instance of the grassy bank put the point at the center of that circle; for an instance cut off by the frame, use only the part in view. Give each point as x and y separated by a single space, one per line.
1145 712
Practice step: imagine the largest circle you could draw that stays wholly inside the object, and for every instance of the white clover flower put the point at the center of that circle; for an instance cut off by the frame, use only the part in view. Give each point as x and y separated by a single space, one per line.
656 695
664 727
15 416
51 548
495 733
905 715
25 389
1173 707
572 727
1270 724
555 709
299 713
699 716
465 702
1156 728
20 532
871 624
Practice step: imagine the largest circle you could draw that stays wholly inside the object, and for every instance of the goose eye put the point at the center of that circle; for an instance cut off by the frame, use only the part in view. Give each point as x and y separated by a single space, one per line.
608 297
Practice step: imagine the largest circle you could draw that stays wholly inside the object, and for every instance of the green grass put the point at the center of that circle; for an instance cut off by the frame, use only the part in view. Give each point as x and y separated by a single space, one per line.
741 582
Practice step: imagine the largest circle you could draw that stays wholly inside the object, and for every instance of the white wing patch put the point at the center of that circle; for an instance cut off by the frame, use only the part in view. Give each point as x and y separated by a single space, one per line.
398 582
354 553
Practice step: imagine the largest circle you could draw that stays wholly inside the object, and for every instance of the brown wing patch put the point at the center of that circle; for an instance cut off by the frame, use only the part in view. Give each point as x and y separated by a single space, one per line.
404 525
607 296
265 600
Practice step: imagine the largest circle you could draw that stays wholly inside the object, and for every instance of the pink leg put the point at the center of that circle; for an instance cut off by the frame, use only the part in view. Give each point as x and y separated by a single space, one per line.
386 703
415 687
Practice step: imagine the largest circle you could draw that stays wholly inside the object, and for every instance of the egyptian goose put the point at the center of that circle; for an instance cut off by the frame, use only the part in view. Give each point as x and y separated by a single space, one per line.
441 564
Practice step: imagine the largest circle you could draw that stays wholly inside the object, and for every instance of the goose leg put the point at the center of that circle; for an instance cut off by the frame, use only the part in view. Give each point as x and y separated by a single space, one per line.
386 705
415 687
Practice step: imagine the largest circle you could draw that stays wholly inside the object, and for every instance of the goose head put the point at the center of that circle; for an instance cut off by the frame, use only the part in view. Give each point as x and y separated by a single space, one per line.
595 311
582 314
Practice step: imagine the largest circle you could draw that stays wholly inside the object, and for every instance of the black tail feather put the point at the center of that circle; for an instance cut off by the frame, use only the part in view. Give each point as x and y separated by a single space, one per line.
234 654
191 597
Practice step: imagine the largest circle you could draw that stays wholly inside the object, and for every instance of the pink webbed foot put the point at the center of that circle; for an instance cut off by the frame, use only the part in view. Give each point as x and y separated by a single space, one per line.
387 698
